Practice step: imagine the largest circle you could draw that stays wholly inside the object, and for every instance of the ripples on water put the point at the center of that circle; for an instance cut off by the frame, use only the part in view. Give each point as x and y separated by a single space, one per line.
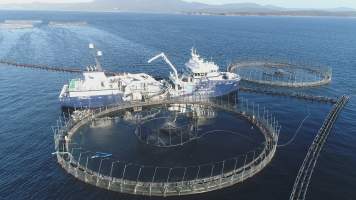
29 103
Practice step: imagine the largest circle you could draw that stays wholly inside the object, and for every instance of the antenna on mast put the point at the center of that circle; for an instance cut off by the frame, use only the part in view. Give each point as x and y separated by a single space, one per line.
96 54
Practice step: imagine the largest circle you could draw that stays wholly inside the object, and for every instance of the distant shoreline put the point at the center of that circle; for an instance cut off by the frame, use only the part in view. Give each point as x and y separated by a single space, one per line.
182 7
278 14
237 14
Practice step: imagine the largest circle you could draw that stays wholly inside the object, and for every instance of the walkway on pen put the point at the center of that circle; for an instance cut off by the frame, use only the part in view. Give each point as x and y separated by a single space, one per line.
306 170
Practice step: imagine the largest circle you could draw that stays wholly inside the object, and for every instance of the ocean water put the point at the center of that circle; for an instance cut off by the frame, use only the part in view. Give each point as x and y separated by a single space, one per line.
29 98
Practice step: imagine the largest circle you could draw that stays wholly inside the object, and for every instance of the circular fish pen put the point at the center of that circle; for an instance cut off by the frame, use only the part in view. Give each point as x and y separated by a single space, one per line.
117 174
282 74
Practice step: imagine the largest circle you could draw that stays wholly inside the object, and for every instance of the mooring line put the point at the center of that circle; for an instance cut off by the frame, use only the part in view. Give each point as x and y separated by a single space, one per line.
202 136
41 67
301 96
58 69
296 132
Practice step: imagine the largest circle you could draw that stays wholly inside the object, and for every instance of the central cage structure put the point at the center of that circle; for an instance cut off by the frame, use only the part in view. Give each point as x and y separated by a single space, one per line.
191 180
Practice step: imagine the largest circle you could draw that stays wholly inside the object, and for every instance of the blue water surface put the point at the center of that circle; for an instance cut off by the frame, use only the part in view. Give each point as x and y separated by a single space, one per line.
29 99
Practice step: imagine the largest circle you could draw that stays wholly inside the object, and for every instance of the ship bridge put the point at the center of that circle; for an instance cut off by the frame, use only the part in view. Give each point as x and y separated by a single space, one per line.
200 67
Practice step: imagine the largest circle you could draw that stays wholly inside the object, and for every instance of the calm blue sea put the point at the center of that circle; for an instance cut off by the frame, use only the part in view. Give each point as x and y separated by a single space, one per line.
29 99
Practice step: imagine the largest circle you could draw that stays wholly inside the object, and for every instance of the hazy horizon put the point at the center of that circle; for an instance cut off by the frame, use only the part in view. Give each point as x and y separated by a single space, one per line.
318 4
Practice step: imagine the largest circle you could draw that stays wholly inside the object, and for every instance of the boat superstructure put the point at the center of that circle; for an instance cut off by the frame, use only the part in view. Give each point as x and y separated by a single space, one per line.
201 77
96 89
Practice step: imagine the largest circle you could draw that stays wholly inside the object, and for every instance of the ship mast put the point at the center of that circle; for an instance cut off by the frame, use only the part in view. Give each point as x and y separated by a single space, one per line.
97 54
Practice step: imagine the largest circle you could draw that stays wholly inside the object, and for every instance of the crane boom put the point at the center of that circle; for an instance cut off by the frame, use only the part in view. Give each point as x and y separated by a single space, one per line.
162 55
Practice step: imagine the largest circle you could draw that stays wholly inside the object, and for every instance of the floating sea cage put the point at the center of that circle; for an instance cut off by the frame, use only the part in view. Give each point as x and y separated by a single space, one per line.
19 24
66 23
111 173
282 74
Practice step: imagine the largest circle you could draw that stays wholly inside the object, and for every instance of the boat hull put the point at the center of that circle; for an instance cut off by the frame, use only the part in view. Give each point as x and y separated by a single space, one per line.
90 101
216 88
204 89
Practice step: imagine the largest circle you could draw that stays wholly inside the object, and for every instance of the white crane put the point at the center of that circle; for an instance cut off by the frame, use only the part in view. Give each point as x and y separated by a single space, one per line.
162 55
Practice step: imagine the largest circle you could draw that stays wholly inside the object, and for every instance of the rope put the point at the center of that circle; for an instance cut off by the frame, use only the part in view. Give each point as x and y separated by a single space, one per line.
200 137
296 132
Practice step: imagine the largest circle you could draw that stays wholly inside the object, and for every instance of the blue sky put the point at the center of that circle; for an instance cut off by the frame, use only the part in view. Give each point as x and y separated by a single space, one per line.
283 3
